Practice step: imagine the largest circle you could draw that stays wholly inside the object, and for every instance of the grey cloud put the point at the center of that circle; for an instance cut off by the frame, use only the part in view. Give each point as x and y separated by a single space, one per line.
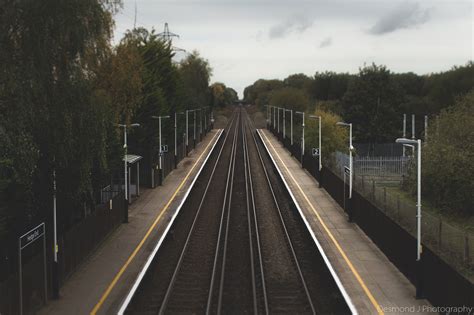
407 15
325 42
296 24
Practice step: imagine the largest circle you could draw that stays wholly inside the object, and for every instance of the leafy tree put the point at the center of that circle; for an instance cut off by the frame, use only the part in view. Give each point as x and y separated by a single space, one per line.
51 51
371 104
298 81
447 168
442 89
333 138
195 74
290 98
328 85
222 95
259 92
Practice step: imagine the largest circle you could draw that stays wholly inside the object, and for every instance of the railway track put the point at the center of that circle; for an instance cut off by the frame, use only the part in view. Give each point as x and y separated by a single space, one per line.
237 245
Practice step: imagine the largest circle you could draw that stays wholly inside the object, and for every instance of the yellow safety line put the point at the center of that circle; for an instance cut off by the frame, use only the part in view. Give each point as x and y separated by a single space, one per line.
331 236
139 246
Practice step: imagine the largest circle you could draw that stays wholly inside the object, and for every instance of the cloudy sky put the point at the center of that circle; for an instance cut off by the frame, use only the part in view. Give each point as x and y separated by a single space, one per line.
245 40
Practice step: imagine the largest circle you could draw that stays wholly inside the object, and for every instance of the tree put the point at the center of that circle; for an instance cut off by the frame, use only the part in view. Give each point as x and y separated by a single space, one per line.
447 168
328 85
371 104
195 74
290 98
222 95
51 51
298 81
333 138
259 92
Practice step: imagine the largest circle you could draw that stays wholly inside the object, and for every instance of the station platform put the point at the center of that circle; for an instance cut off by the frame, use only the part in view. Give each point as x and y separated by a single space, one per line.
101 284
372 282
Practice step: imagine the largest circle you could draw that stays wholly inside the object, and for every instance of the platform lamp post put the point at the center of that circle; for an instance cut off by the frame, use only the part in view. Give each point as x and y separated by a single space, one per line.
125 127
419 279
320 148
200 123
291 125
194 128
274 118
278 120
302 136
284 123
160 156
187 129
212 118
266 116
176 138
205 118
351 170
55 240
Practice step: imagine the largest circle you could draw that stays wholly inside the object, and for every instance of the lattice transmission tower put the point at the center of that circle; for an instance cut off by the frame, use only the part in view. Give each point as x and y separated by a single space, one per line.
167 36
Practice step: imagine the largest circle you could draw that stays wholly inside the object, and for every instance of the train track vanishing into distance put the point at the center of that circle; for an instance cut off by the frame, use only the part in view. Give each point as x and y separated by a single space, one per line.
238 244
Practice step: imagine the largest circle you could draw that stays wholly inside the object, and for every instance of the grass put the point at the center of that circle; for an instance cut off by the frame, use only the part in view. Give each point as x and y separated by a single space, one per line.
460 221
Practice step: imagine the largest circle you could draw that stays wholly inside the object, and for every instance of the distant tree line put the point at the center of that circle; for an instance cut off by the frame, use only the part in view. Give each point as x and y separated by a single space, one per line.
64 88
374 100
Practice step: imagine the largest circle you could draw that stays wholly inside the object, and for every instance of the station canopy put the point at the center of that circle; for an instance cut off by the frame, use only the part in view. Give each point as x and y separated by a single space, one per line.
132 158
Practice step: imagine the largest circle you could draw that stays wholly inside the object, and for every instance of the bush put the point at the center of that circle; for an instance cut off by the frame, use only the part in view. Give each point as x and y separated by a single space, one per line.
333 138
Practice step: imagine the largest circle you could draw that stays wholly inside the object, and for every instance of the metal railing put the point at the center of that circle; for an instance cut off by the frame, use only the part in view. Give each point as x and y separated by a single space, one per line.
379 166
454 244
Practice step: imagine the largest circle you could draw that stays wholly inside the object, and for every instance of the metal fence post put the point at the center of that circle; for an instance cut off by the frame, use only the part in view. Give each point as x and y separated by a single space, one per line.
398 208
466 248
440 233
373 189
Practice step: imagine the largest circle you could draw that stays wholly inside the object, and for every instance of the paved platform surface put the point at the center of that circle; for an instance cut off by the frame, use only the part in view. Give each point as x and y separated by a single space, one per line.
102 282
373 283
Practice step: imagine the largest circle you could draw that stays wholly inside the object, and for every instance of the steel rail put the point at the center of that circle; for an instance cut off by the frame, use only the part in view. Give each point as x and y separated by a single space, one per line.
226 234
252 214
221 224
289 242
178 265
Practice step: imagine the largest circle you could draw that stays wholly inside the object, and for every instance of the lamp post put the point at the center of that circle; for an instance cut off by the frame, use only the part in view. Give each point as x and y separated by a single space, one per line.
160 156
278 120
55 241
302 136
187 129
125 127
417 143
274 117
351 170
267 116
291 125
205 118
320 149
284 123
194 127
176 138
200 123
404 131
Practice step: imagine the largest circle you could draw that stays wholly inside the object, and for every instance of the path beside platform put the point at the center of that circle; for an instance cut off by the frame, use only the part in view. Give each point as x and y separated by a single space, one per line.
102 282
373 283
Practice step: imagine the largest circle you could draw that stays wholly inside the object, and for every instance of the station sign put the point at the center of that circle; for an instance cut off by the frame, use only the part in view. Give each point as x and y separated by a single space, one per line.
164 148
347 170
315 151
31 236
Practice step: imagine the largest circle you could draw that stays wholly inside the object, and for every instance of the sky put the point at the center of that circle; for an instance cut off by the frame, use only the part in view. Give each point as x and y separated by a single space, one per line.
246 40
